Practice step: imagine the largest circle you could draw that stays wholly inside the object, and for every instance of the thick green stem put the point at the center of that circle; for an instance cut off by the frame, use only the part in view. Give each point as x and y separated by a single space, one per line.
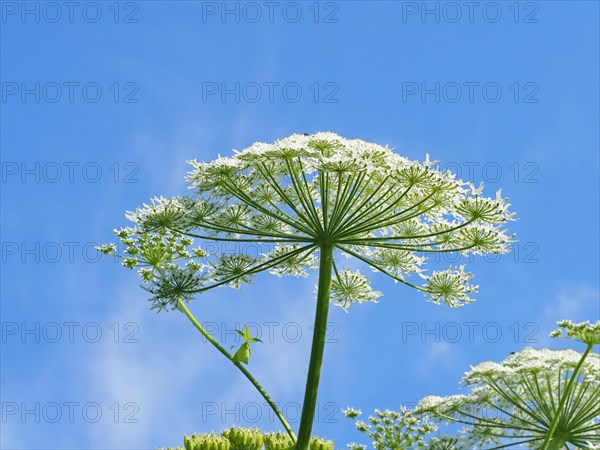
556 443
318 345
548 444
239 365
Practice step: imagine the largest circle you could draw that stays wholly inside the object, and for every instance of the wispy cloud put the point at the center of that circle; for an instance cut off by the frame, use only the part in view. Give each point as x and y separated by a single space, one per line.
438 355
575 302
149 374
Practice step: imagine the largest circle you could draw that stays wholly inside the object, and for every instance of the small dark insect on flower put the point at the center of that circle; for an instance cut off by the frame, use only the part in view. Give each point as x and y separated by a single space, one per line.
306 134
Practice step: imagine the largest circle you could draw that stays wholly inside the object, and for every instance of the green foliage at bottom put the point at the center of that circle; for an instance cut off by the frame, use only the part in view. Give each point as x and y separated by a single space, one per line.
246 439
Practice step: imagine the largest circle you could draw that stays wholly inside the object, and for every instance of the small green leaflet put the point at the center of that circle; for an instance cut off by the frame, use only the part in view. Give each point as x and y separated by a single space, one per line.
243 353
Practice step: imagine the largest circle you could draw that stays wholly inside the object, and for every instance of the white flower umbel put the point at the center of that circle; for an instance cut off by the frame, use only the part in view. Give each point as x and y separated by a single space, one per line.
301 199
539 399
303 193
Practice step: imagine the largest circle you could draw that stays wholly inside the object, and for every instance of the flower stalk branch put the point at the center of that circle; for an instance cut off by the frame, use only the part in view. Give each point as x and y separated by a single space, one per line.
242 369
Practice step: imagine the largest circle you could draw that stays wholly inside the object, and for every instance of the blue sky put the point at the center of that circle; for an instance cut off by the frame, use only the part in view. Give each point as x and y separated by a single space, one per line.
103 103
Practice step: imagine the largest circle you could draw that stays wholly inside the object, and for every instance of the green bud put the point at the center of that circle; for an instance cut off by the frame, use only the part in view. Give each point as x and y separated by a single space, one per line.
278 441
122 233
130 263
209 441
188 443
320 444
200 253
107 249
243 353
244 438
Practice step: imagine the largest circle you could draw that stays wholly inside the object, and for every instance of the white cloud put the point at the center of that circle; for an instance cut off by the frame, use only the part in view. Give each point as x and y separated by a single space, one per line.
438 355
578 302
575 303
150 374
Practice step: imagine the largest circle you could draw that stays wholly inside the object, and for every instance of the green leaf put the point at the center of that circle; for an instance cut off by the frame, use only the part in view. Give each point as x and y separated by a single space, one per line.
246 335
241 334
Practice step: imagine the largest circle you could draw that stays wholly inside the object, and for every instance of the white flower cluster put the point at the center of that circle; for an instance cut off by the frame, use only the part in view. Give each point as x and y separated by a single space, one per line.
301 193
390 429
534 396
352 287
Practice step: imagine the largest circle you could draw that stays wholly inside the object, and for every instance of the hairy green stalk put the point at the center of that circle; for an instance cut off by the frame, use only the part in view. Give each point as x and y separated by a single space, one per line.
318 346
239 365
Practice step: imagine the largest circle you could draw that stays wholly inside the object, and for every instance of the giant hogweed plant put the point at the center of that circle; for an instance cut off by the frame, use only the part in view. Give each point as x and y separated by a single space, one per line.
307 198
537 398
